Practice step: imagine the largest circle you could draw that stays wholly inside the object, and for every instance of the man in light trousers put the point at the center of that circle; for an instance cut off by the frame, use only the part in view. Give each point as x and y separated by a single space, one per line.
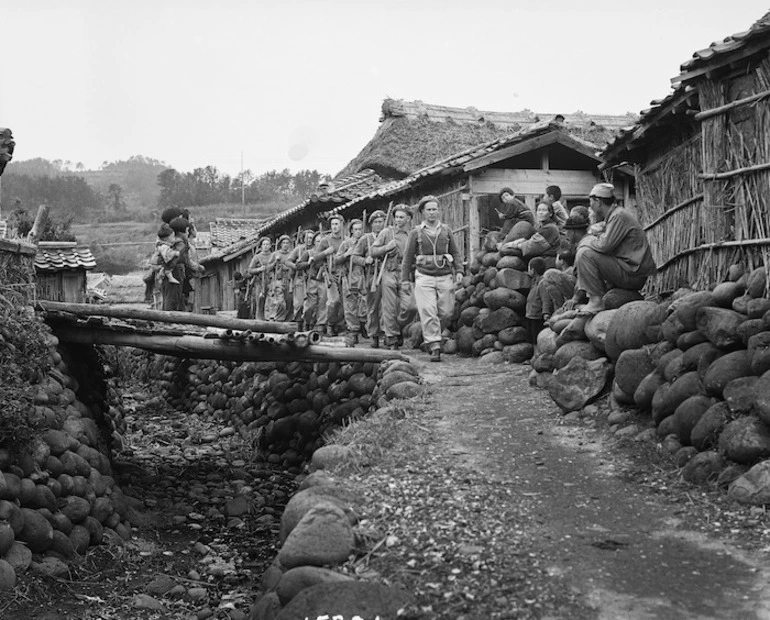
433 259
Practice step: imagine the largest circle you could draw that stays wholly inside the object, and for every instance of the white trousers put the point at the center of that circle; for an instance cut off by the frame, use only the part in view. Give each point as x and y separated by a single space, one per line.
435 297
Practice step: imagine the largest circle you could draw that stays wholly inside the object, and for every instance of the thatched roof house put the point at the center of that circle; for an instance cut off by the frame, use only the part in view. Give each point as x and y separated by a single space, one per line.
702 163
467 182
413 134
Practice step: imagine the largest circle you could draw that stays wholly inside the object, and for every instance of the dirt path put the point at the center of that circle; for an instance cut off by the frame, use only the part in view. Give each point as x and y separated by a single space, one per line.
626 551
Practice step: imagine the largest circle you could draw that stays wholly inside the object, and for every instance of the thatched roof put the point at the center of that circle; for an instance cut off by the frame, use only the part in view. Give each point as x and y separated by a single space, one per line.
413 134
533 136
683 101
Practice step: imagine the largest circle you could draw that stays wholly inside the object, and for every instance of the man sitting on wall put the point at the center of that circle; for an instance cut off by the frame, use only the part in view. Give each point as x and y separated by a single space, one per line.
618 258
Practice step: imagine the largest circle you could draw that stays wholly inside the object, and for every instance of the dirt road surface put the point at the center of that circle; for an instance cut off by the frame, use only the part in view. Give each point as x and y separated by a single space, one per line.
625 550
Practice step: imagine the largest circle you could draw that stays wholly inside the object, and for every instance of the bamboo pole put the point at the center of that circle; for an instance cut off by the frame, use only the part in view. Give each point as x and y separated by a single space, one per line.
731 106
198 347
715 176
716 246
673 210
167 316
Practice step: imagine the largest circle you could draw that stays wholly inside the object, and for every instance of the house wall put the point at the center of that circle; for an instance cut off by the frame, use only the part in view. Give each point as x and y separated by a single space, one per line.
68 286
703 197
214 290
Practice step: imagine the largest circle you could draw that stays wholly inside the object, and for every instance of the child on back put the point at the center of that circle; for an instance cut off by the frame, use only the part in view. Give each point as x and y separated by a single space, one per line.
165 256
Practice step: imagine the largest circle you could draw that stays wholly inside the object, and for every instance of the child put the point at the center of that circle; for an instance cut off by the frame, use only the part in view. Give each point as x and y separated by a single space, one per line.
534 308
241 290
165 255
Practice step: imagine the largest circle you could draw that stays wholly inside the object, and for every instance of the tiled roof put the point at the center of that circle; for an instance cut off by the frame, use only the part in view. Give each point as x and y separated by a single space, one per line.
342 191
53 256
465 159
755 39
226 231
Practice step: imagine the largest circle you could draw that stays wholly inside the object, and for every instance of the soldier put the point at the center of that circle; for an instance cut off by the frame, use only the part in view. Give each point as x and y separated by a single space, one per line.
300 256
280 271
396 293
352 266
257 270
371 266
327 249
433 259
315 295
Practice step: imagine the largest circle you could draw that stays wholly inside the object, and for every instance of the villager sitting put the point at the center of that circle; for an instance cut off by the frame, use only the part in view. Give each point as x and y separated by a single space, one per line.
544 242
513 211
557 284
257 271
553 197
619 258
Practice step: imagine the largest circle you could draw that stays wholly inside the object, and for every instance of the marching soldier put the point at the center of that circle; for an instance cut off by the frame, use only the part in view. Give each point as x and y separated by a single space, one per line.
396 293
280 271
327 249
352 266
371 267
315 296
258 272
300 256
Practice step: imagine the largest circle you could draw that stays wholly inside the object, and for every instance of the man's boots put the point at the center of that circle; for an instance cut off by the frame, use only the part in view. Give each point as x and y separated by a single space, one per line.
375 342
435 354
351 339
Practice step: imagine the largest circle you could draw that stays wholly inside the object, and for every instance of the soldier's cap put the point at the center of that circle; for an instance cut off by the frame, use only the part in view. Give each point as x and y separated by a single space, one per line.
353 222
261 239
603 190
376 214
179 224
337 216
425 200
282 237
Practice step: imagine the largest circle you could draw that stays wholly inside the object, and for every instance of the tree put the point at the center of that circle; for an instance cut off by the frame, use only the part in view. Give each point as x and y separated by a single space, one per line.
115 200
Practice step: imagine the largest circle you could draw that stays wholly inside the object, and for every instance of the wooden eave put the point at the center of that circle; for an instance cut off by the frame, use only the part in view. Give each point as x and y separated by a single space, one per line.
553 137
721 60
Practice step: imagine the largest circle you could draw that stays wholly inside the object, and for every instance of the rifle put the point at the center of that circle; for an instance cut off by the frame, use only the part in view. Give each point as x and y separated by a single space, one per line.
376 282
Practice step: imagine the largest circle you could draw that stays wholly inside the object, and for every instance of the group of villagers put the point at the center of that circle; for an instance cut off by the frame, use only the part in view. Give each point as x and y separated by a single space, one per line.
574 257
373 280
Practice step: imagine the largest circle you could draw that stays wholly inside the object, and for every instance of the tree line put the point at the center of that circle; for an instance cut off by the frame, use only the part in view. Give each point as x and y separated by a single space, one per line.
136 187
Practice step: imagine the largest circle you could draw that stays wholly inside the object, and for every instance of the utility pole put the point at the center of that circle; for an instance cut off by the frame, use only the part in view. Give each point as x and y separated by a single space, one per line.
243 188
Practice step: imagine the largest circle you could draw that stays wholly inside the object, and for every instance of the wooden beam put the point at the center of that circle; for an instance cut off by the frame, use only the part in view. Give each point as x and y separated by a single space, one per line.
724 58
731 106
511 151
673 210
545 162
164 316
197 347
534 182
716 176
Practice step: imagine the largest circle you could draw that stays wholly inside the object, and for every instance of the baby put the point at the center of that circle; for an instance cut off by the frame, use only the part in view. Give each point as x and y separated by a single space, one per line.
165 256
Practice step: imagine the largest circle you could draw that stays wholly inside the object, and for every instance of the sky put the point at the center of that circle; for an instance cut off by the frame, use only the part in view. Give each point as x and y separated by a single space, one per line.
299 84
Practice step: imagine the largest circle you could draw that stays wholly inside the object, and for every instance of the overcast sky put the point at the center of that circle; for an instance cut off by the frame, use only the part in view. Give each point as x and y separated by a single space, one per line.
299 84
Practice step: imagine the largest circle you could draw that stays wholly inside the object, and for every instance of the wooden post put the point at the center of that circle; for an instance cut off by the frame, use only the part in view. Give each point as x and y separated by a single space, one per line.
39 225
474 223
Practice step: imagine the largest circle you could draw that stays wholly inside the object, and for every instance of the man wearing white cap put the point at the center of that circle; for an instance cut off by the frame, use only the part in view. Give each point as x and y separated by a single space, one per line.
618 258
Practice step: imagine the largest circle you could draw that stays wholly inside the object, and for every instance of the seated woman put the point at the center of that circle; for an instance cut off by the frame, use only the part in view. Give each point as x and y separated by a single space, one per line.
545 240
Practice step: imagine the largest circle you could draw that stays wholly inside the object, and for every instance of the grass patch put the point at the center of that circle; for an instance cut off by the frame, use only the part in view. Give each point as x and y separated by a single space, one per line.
386 435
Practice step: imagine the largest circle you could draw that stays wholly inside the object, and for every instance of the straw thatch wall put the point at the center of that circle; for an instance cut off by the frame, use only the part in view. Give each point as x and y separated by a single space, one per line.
17 272
704 203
